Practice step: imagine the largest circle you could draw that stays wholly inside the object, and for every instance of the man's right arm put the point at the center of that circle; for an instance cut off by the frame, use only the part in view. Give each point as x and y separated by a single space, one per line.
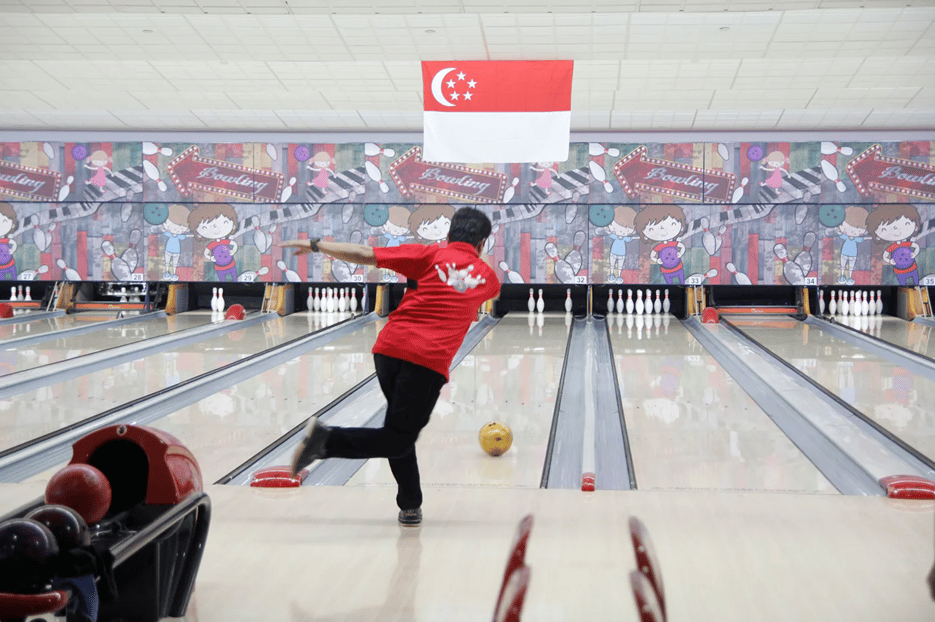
353 253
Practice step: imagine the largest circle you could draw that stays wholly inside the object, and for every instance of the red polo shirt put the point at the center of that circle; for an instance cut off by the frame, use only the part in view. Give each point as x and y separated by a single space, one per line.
429 325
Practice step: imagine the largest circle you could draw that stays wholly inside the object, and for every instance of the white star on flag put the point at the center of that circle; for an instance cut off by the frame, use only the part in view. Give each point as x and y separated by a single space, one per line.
460 75
471 84
451 84
467 96
454 95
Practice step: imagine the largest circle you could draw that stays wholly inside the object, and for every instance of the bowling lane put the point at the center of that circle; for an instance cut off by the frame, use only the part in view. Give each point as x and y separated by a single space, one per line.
511 376
690 425
35 413
60 348
41 326
227 428
913 336
886 393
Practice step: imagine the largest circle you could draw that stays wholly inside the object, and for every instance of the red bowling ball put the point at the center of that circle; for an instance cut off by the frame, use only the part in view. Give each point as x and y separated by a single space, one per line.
83 488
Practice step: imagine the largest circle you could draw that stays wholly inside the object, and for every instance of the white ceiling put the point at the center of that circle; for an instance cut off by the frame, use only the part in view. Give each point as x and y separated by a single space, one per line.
328 65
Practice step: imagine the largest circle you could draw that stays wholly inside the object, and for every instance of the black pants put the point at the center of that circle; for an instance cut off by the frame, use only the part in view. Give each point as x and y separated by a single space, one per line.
411 392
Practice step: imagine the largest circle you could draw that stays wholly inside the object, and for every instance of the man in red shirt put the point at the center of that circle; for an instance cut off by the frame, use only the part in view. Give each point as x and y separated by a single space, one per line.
413 351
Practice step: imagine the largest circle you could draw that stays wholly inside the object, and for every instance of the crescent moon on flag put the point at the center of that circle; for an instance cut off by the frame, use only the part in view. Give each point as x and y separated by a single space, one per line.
437 86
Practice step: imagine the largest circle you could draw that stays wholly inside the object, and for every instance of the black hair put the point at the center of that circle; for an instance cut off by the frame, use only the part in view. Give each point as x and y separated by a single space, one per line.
469 225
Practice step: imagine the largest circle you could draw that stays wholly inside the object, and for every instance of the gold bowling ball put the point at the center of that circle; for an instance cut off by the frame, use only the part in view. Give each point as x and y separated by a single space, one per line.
495 438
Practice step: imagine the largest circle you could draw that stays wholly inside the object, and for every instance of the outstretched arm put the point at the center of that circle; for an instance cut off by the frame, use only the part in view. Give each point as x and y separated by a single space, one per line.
353 253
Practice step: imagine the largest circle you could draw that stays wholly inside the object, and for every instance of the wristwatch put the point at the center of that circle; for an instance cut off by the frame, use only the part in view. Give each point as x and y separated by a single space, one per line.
313 244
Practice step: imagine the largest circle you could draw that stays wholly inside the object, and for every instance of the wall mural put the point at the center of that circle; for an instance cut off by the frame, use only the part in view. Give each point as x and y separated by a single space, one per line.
810 213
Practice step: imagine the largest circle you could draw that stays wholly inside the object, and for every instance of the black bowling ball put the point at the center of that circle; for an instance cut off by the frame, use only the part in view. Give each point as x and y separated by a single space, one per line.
28 554
66 525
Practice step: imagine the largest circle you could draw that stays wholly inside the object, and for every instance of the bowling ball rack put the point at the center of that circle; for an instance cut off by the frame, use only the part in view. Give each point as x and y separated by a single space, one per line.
154 553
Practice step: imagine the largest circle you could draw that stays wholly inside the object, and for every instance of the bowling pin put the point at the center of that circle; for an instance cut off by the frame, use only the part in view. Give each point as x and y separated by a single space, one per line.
511 191
28 294
310 301
600 175
568 301
354 300
629 300
821 303
70 274
13 294
831 172
790 270
707 238
833 305
221 303
879 302
666 305
740 277
511 275
214 299
657 304
540 304
531 303
610 301
639 302
345 299
619 301
738 192
21 297
372 149
828 148
376 176
597 149
844 306
316 301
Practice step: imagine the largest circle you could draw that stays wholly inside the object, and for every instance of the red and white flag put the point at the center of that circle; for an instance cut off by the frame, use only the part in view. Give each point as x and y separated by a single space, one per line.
497 111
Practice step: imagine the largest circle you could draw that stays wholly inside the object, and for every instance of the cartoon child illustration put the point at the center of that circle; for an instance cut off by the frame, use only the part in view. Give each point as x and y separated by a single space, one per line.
396 227
8 224
98 163
215 222
321 165
544 180
621 231
664 224
852 231
431 222
395 230
897 224
774 165
175 228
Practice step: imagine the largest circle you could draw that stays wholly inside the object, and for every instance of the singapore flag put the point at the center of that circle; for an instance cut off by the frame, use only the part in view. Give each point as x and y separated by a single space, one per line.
497 111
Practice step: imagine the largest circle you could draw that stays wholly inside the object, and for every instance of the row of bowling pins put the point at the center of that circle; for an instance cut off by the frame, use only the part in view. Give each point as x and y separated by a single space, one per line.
857 303
332 299
20 297
649 306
